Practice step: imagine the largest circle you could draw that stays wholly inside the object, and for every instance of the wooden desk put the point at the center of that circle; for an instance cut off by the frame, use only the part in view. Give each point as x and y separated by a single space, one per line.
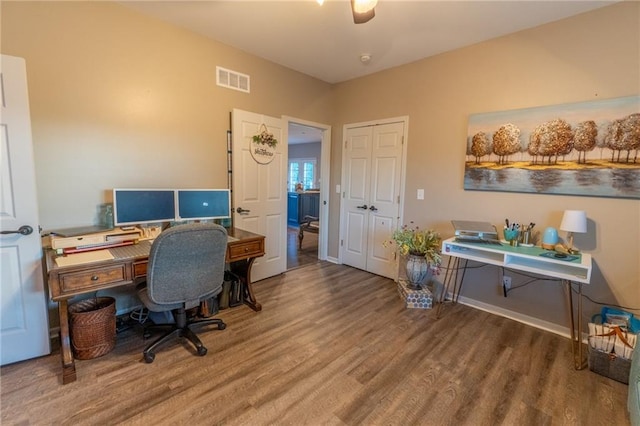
127 268
526 259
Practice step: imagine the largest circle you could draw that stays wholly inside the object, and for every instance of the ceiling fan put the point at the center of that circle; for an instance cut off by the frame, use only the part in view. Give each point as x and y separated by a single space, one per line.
363 10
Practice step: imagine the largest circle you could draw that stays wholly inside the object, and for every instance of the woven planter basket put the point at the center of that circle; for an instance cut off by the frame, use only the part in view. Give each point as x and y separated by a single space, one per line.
93 327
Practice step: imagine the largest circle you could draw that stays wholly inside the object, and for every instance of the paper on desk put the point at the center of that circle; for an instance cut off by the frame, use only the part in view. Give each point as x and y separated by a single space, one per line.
82 258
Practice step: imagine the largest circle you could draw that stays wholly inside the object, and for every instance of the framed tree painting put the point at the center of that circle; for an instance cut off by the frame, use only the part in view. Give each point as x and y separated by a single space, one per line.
588 148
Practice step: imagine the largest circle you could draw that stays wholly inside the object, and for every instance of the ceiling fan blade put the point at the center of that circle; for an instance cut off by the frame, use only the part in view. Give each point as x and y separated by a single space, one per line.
361 17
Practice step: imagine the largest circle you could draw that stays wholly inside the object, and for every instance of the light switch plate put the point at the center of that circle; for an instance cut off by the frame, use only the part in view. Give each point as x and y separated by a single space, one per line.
420 194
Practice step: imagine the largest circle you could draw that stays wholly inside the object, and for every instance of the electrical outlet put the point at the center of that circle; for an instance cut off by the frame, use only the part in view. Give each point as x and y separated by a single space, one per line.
506 281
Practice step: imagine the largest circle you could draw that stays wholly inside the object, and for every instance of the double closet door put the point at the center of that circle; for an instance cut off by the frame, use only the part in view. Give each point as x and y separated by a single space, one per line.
372 172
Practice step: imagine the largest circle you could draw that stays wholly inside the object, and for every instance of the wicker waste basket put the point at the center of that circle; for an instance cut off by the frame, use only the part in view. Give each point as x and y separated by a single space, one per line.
92 323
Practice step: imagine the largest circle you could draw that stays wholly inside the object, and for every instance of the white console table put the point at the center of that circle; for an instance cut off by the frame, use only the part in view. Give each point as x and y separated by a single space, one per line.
526 259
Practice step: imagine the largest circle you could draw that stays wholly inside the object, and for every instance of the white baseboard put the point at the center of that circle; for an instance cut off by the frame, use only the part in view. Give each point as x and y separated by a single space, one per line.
333 260
517 316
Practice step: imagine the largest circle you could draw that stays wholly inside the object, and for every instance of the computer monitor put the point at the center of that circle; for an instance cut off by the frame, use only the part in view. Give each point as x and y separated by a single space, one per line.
139 206
201 204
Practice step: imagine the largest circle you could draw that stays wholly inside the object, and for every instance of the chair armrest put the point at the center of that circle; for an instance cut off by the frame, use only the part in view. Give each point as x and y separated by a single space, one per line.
306 221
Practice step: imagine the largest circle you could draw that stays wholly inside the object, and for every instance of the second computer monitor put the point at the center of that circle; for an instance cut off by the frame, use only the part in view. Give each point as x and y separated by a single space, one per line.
201 204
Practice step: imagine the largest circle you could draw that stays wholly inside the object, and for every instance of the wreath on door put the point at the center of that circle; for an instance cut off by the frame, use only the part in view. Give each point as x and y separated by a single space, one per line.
263 149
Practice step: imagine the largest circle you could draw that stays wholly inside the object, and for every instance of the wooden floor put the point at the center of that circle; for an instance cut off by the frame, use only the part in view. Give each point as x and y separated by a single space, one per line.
332 346
299 257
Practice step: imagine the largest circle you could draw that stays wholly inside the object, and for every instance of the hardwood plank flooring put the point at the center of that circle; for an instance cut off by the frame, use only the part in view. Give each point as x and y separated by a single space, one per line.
333 346
299 257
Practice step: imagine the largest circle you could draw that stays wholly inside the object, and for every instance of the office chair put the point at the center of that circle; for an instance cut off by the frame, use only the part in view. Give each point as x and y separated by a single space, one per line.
186 266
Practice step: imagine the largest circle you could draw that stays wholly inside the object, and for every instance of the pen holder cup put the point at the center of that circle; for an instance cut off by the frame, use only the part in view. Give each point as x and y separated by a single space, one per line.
525 237
512 236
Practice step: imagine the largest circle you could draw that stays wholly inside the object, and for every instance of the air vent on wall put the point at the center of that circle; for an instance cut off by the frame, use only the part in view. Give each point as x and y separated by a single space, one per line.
232 79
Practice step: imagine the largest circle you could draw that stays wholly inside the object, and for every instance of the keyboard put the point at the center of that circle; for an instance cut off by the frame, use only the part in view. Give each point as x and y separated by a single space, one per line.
477 241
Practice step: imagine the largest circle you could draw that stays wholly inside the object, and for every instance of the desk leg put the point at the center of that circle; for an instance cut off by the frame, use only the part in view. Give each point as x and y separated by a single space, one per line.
242 268
576 335
450 274
68 364
457 288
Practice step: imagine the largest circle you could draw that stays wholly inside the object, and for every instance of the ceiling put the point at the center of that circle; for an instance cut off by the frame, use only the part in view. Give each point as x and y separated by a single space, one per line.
323 42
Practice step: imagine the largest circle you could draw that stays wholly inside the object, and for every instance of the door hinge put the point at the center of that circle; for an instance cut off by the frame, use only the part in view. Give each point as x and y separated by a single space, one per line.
398 199
345 144
402 139
341 243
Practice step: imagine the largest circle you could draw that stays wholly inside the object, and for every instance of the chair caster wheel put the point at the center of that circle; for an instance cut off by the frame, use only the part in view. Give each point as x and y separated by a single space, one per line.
202 351
149 357
146 334
222 326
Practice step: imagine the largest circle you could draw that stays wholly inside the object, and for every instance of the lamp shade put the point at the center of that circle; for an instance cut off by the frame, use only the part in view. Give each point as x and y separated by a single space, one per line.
574 221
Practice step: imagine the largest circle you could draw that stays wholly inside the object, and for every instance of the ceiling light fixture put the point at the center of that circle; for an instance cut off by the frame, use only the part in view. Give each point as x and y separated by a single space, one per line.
320 2
363 10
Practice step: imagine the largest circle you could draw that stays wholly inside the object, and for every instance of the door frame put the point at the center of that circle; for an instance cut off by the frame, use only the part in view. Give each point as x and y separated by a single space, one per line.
403 175
325 172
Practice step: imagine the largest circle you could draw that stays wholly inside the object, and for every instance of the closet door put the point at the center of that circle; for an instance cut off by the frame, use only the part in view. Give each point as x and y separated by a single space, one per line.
371 196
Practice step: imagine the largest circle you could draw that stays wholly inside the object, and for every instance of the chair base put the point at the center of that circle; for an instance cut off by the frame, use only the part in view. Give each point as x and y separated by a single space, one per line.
181 329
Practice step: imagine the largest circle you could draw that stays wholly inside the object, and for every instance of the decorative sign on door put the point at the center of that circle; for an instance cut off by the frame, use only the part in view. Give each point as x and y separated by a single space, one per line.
588 148
264 144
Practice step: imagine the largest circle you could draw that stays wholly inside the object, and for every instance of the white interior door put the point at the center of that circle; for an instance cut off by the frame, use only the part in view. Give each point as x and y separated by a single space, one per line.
371 198
260 190
24 326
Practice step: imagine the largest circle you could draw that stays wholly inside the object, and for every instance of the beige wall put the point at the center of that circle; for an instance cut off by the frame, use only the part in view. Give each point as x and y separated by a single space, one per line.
118 99
121 100
589 57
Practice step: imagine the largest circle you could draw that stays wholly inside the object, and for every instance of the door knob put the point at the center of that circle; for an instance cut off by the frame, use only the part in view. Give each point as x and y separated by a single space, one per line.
363 207
373 209
23 230
240 210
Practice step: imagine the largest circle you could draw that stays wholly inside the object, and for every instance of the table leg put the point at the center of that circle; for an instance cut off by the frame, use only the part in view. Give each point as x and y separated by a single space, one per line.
242 268
457 288
450 274
66 355
576 335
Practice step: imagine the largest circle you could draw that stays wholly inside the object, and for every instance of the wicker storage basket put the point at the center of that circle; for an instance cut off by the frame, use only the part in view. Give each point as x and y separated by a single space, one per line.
93 327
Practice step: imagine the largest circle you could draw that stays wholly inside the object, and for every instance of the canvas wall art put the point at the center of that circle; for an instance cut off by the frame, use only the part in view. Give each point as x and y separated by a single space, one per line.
587 148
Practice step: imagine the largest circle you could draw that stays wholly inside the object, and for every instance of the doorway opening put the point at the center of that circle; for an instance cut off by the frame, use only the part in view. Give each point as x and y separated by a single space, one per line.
307 190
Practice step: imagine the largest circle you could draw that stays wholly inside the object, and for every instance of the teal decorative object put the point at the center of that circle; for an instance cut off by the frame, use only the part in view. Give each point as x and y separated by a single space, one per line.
549 238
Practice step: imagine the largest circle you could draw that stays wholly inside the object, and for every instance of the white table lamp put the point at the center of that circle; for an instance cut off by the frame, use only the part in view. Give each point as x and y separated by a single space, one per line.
573 221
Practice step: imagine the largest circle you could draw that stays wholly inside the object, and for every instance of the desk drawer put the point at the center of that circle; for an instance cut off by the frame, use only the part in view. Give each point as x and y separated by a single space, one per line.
245 250
140 269
98 278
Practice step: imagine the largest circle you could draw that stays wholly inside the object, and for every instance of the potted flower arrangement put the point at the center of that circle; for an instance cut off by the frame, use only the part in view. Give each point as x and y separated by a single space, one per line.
265 137
422 248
